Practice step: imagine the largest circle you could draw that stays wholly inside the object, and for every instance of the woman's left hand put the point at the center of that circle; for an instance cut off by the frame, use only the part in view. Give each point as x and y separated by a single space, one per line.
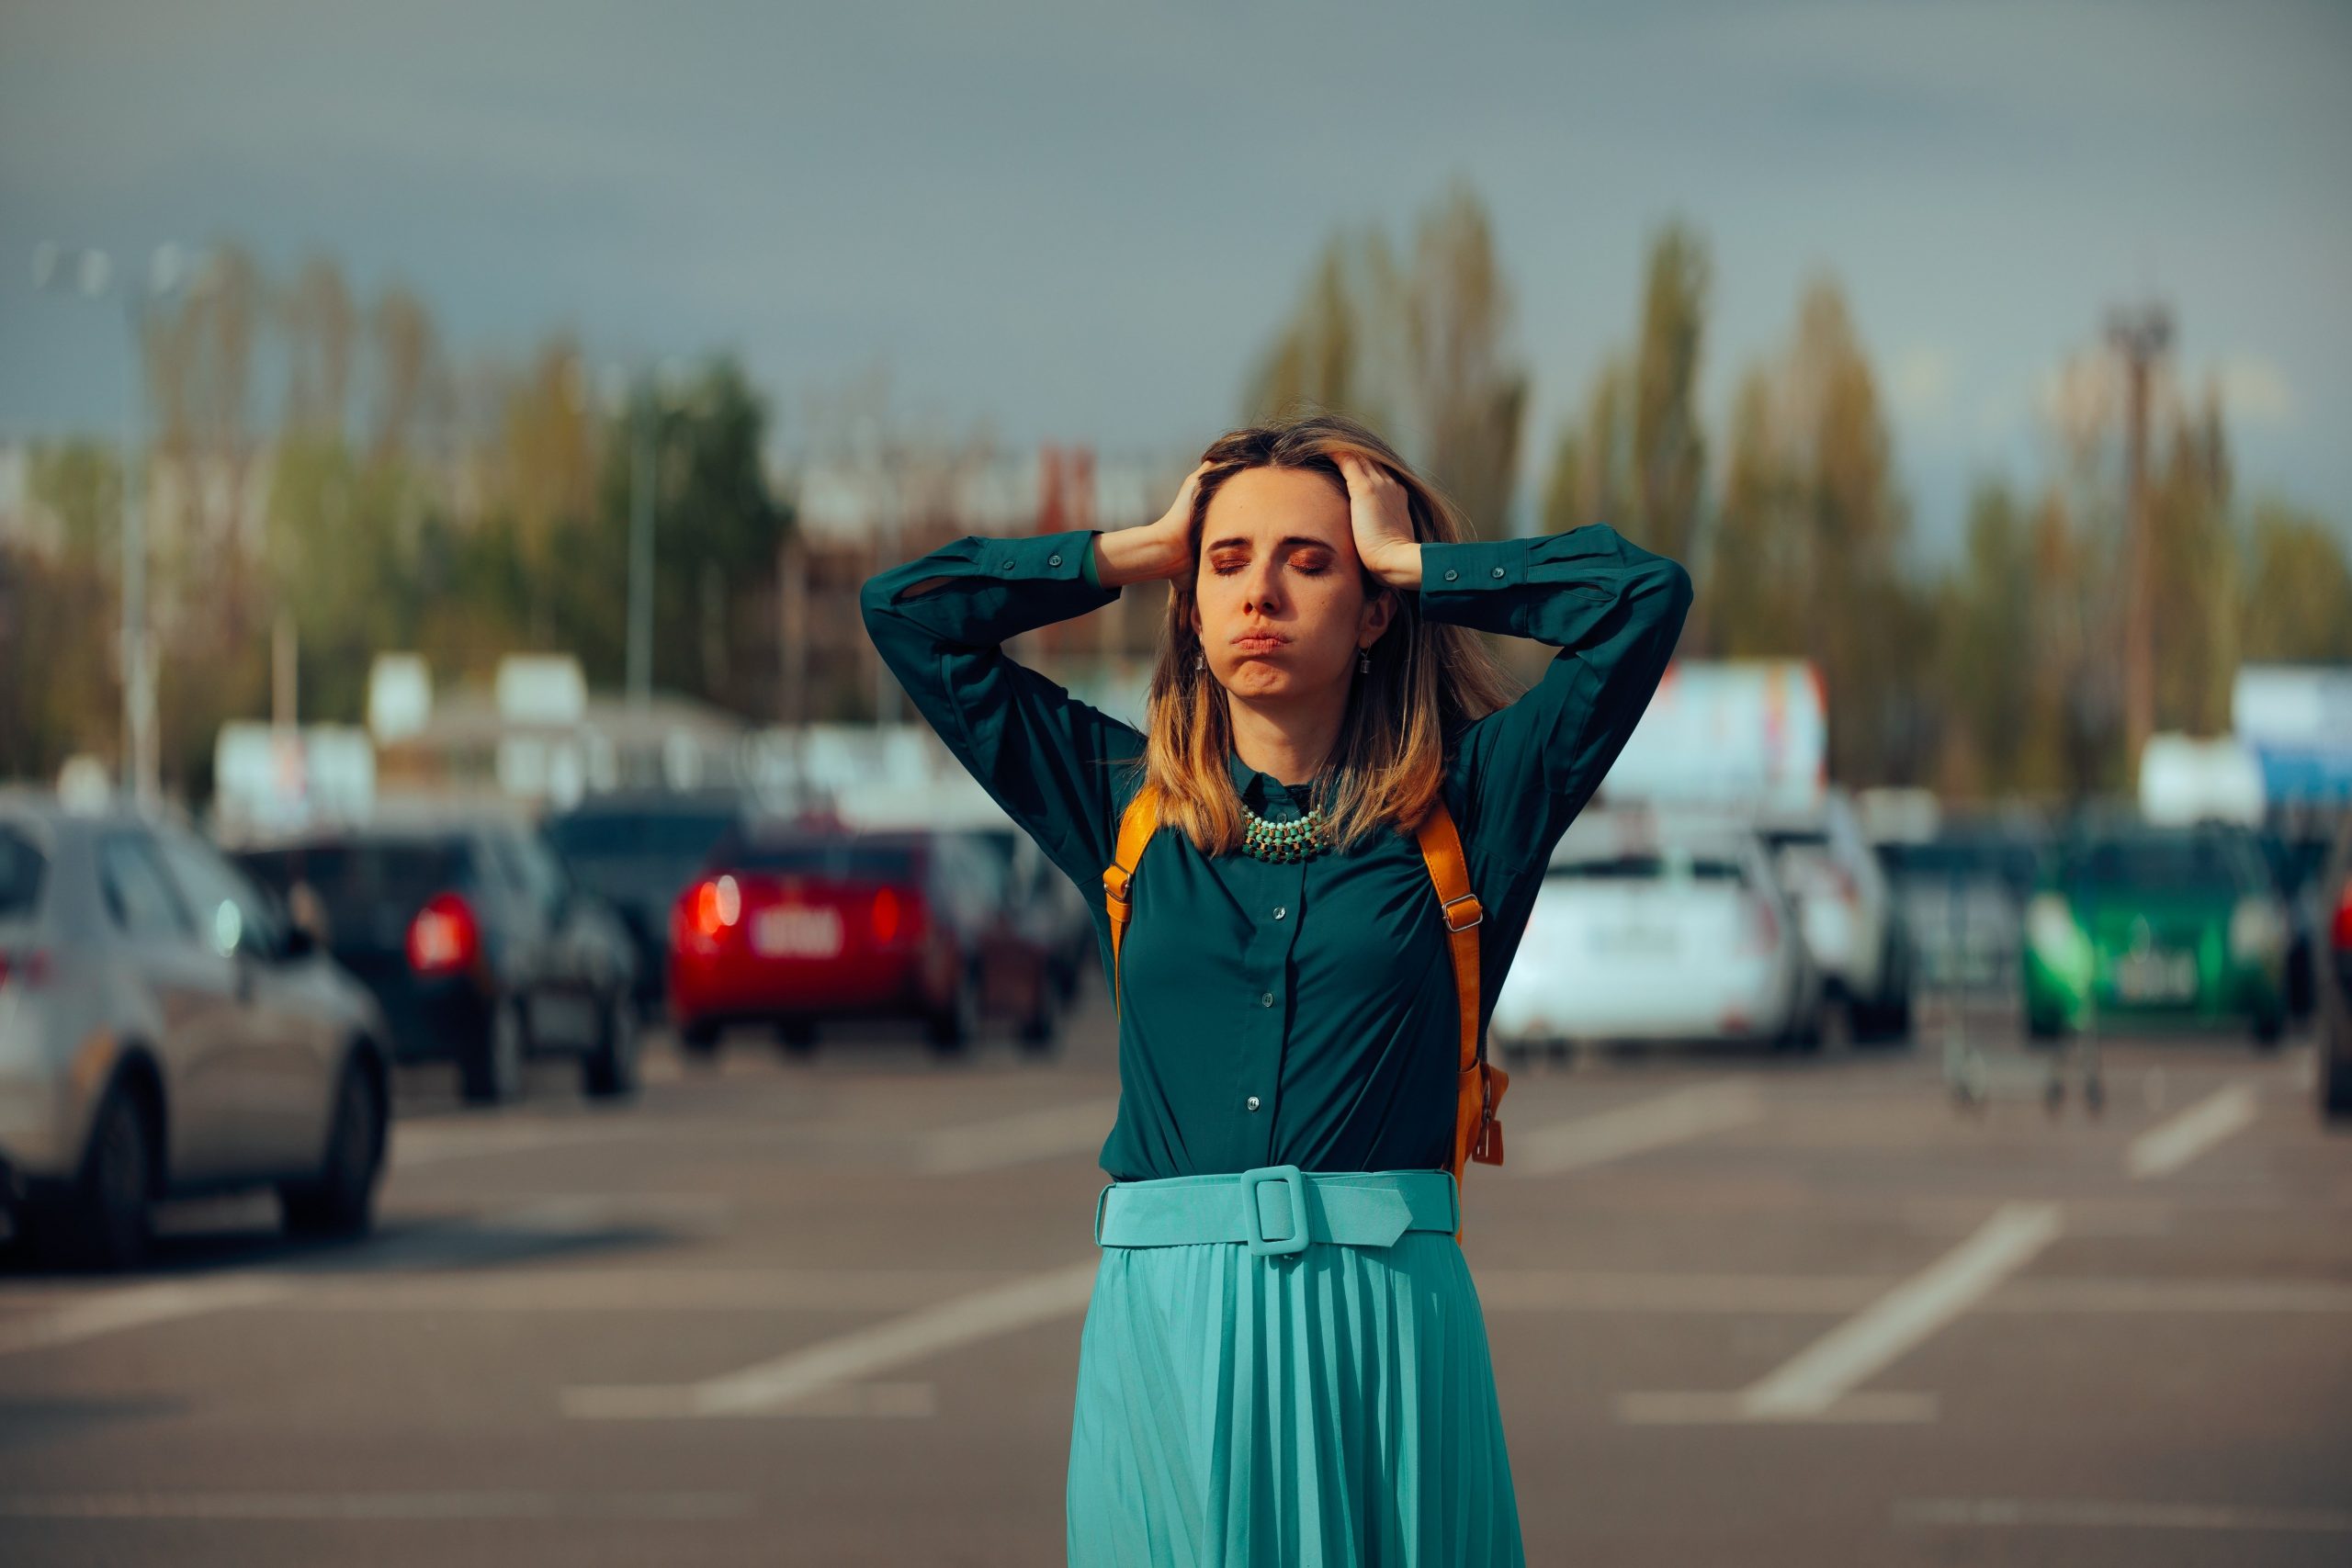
1382 515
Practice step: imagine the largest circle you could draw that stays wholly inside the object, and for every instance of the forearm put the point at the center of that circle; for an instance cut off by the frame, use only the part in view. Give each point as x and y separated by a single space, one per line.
1585 588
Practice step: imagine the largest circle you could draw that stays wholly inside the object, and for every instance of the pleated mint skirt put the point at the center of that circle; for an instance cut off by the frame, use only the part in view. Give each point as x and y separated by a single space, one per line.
1328 1408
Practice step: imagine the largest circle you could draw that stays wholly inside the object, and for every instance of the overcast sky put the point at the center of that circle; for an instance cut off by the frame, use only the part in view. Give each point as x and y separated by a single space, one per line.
1080 222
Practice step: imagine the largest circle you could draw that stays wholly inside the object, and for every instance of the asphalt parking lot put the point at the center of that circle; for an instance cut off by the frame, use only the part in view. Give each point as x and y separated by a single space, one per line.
1765 1311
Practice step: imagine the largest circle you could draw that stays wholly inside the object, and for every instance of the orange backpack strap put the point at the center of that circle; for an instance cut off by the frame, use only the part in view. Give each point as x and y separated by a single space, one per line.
1477 1132
1137 825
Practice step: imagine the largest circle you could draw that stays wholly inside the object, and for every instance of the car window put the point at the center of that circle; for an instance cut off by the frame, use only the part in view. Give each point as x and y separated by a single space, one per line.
22 870
2202 863
230 911
353 879
543 874
648 835
138 892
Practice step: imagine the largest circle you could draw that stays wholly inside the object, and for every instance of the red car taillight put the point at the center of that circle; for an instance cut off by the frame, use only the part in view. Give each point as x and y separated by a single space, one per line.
710 908
886 915
2343 933
444 939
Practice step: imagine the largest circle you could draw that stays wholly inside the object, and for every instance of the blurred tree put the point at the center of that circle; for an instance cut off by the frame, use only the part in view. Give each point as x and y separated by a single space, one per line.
1592 461
1808 551
1326 355
2297 599
1471 394
1668 452
1419 352
60 614
2193 573
543 475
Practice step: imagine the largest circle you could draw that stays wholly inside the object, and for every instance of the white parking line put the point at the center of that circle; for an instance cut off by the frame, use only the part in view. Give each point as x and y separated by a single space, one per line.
1817 1383
816 1372
375 1506
2100 1515
2168 1145
1044 1134
1647 1124
134 1306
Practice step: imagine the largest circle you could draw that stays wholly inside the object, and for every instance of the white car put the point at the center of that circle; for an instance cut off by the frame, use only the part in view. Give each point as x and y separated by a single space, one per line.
1659 927
1852 924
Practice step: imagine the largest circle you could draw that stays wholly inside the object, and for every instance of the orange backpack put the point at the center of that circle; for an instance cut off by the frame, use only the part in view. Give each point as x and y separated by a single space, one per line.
1477 1134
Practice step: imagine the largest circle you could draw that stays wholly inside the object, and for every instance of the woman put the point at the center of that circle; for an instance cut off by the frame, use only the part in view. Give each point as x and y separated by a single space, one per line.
1286 997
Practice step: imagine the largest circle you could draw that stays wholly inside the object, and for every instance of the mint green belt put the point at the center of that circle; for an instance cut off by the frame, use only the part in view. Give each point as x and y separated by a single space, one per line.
1278 1208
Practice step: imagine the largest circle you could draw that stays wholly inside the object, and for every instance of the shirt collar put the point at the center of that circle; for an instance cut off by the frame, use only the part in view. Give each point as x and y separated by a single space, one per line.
1252 786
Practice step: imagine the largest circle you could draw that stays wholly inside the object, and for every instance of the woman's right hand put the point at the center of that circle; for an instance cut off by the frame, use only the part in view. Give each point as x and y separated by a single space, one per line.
1158 549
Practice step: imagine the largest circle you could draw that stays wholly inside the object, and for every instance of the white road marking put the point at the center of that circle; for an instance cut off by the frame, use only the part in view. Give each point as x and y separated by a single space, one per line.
1817 1385
1044 1134
2168 1145
135 1306
2100 1514
375 1506
774 1387
1647 1124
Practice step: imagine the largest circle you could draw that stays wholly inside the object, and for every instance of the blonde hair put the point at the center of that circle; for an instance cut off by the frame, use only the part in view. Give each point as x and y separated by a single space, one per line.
1427 679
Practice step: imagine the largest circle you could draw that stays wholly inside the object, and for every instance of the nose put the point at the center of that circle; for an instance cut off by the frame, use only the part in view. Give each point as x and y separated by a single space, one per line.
1261 596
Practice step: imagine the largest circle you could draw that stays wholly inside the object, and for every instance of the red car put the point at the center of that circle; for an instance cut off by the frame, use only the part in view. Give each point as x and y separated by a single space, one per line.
791 924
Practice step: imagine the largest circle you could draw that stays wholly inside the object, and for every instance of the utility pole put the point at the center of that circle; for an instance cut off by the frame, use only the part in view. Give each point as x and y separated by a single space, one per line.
91 273
2142 335
640 550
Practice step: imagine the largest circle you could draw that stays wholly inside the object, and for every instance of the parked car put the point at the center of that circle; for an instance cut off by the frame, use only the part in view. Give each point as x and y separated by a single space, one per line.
1852 924
2334 980
2156 925
1658 928
790 926
638 851
1052 914
476 942
165 1032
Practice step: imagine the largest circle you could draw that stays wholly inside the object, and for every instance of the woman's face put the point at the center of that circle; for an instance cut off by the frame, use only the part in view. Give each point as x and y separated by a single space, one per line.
1278 597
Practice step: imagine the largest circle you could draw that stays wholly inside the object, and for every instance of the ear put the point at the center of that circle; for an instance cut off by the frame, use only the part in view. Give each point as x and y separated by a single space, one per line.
1378 612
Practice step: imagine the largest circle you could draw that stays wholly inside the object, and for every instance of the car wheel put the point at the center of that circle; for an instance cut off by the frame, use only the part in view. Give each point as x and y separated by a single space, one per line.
341 1200
797 1037
699 1041
2269 1028
610 1071
492 1073
103 1224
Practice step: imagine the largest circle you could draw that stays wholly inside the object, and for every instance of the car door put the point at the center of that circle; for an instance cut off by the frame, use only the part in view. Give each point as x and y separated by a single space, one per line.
195 990
286 1046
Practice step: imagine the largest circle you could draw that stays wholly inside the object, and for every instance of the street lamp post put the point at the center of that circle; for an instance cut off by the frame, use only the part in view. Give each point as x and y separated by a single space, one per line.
91 274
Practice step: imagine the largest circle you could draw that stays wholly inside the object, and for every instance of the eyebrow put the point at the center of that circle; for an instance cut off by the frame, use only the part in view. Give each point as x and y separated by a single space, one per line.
1283 543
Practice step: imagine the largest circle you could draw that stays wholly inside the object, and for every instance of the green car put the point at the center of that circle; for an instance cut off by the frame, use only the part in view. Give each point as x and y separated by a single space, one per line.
2137 926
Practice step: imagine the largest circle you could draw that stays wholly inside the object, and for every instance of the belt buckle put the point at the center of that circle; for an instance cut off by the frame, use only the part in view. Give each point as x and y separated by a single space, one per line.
1291 1176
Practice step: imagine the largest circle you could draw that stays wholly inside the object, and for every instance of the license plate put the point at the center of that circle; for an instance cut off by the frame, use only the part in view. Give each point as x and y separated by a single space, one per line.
2156 975
790 930
1635 941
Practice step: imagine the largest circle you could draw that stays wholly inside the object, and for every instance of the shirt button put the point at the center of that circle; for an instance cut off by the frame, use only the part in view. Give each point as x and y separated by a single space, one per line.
1499 572
1253 1102
1267 1000
1450 574
1280 911
1053 560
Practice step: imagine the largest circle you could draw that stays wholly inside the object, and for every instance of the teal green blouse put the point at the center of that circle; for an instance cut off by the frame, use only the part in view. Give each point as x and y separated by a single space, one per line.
1298 1013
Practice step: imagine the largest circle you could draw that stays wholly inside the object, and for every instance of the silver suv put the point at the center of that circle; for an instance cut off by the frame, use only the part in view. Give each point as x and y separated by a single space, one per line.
165 1031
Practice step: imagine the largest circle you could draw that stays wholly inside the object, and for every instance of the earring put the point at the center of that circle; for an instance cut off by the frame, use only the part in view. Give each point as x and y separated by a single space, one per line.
1364 661
1200 661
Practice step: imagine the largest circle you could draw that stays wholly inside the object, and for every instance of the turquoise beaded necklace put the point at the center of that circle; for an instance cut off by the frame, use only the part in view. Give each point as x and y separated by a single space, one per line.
1300 840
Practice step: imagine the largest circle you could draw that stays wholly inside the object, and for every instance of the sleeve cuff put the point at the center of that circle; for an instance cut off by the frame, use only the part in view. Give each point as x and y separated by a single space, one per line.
1472 566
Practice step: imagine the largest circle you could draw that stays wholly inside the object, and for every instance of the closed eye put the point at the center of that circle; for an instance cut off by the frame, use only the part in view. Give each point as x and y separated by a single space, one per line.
1228 569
